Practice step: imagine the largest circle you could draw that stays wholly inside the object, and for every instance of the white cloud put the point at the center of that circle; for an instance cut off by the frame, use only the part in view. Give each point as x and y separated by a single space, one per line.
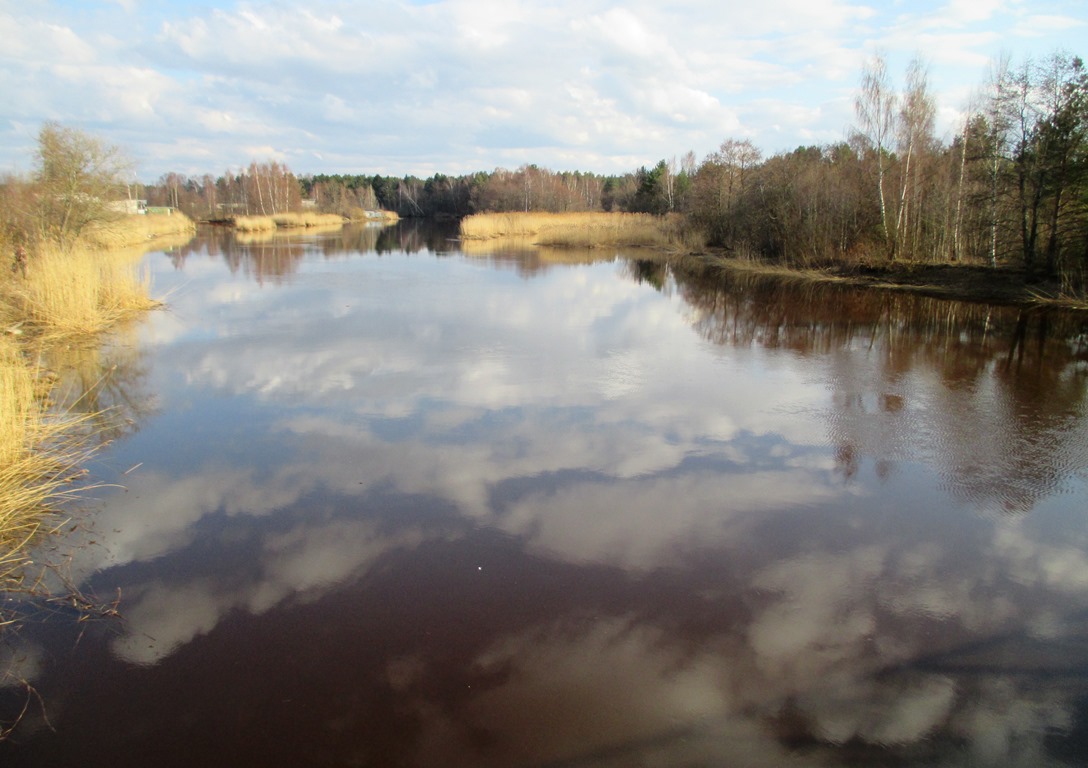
397 87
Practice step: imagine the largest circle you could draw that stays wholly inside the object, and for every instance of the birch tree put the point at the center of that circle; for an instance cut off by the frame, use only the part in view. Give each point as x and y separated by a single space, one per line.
875 110
915 138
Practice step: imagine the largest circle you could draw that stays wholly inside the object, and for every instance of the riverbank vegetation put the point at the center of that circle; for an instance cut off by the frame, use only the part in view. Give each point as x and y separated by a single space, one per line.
70 272
286 220
267 190
136 230
587 229
1008 190
42 453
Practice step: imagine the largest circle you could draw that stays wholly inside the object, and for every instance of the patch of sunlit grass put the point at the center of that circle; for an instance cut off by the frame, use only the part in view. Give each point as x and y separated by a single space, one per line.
381 216
40 456
307 219
78 291
121 231
18 406
254 223
286 221
576 230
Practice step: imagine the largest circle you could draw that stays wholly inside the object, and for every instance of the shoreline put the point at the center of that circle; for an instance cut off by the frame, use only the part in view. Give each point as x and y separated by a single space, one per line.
956 282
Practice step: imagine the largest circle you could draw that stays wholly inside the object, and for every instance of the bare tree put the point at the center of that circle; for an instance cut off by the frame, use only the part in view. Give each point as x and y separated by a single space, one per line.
77 177
875 109
915 136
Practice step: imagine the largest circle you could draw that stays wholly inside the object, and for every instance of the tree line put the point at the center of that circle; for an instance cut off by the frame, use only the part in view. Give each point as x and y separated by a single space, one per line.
1010 188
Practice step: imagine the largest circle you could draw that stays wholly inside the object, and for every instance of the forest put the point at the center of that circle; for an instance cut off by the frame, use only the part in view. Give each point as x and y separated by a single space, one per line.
1009 189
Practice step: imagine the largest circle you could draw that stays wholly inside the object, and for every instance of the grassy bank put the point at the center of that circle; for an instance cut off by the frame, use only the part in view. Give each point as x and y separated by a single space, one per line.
41 454
59 296
579 230
74 292
372 216
286 221
123 231
954 282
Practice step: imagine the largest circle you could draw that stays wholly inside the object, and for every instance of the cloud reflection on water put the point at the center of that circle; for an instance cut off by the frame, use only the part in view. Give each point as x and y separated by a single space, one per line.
832 582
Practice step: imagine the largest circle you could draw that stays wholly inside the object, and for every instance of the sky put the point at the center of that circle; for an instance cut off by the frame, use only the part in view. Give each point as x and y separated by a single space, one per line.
399 87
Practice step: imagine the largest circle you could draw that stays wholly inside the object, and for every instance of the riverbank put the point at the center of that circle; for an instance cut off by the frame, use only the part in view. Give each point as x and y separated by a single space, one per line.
962 282
669 239
286 221
305 220
58 297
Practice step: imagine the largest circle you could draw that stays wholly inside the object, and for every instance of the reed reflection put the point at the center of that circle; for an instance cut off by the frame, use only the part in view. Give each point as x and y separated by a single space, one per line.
107 383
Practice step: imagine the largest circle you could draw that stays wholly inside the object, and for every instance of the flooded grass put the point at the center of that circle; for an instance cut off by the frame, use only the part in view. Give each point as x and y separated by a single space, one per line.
40 456
62 296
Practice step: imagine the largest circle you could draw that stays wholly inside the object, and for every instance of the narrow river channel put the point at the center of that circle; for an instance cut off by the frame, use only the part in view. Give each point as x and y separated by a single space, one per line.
377 501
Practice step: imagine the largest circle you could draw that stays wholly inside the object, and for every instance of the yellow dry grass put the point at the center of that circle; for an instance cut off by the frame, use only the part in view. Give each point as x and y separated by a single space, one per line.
40 456
254 223
576 230
65 294
121 231
17 401
76 291
286 221
285 235
384 217
307 219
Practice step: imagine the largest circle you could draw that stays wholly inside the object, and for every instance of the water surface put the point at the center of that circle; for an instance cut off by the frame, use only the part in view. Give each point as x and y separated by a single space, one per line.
388 503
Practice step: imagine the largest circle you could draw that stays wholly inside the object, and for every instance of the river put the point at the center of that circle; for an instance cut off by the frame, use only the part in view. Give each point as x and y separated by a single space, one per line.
372 500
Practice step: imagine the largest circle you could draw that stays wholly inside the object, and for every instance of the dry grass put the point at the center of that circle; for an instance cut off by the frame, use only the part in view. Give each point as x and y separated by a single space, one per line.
136 230
285 235
383 217
65 294
308 219
577 230
286 221
18 407
76 291
40 456
254 223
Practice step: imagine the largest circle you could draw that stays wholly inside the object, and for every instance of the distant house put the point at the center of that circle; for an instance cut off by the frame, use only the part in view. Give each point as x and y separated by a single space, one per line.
127 206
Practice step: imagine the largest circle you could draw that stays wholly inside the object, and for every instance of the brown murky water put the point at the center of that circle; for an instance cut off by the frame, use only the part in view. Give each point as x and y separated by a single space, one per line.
393 504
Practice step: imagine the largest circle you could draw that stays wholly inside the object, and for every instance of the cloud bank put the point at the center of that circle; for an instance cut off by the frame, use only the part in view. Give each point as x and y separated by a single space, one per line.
395 87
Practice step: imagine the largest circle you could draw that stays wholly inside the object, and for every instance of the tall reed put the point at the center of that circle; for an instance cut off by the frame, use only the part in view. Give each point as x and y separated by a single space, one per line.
40 455
286 221
77 291
58 294
575 230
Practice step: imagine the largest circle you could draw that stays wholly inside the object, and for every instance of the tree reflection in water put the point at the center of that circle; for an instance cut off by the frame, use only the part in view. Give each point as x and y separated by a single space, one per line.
433 508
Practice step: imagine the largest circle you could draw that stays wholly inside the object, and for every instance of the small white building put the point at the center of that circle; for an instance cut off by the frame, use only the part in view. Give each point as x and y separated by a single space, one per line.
128 206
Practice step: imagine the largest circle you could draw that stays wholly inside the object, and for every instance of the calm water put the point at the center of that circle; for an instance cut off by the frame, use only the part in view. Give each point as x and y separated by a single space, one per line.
386 503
